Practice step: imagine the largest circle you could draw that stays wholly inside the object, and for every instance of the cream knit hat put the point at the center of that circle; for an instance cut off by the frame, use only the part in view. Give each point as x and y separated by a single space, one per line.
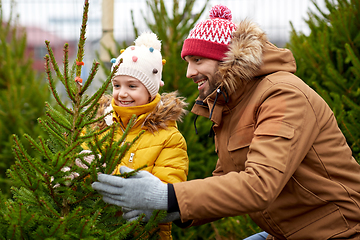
143 62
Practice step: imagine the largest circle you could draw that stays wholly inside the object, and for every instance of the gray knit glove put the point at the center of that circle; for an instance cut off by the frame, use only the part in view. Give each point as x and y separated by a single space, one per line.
140 191
132 215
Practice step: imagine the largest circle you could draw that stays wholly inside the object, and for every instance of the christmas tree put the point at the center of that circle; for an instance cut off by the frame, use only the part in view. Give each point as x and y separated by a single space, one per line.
52 196
328 59
23 92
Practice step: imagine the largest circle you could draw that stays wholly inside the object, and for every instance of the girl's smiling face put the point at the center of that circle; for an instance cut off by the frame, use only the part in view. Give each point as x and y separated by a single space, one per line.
129 92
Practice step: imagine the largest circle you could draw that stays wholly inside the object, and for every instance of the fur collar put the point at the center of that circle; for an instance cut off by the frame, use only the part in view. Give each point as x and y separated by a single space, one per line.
244 57
170 109
251 55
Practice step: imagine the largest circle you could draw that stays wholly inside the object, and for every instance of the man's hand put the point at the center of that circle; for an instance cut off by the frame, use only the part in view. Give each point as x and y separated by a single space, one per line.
140 191
132 215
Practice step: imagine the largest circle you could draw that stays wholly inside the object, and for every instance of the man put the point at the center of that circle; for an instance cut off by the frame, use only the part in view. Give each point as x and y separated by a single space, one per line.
282 158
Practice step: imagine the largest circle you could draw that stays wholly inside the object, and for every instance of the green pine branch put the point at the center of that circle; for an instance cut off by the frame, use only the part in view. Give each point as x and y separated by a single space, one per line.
56 190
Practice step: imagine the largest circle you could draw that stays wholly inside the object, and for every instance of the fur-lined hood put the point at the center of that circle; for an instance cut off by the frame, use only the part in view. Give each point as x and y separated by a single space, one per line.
170 109
251 55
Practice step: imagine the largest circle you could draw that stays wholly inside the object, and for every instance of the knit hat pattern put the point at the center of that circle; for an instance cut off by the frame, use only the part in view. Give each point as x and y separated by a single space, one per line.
143 62
210 38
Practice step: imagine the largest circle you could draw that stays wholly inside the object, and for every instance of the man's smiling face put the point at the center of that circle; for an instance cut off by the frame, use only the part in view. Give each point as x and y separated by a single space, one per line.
203 72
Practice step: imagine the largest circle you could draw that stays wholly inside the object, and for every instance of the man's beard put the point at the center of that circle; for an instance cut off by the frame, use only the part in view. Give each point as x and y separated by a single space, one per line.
213 84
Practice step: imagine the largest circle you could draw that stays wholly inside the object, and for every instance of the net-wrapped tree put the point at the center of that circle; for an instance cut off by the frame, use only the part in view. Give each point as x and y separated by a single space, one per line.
52 197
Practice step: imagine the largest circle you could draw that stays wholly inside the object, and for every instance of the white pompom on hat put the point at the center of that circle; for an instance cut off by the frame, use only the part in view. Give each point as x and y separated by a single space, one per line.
210 38
143 62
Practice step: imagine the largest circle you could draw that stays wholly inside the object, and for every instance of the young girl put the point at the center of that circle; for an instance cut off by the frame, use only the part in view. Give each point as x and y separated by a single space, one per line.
135 91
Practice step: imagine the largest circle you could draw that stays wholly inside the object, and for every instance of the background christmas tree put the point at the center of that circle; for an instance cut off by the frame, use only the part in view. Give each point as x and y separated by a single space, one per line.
23 92
328 59
52 197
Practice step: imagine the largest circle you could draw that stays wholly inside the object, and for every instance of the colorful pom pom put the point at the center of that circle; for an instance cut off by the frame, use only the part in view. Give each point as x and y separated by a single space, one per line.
132 48
122 50
220 11
151 49
134 58
163 62
113 60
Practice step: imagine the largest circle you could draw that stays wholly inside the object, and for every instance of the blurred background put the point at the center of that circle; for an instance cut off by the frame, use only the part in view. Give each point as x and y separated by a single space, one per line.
59 21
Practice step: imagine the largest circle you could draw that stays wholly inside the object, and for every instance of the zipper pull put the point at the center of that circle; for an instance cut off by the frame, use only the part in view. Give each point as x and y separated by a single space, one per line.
131 157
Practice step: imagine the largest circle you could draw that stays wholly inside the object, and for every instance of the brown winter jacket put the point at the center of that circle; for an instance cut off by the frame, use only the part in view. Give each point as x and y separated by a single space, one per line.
282 158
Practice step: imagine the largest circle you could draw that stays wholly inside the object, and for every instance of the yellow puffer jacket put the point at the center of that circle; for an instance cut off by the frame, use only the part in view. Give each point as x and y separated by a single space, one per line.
161 147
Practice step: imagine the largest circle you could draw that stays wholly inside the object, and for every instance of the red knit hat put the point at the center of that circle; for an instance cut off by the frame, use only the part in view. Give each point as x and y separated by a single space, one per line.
210 38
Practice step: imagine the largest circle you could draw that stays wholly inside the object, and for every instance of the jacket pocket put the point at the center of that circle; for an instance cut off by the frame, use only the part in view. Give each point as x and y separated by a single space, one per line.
324 223
238 146
311 218
275 128
280 134
272 145
241 138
